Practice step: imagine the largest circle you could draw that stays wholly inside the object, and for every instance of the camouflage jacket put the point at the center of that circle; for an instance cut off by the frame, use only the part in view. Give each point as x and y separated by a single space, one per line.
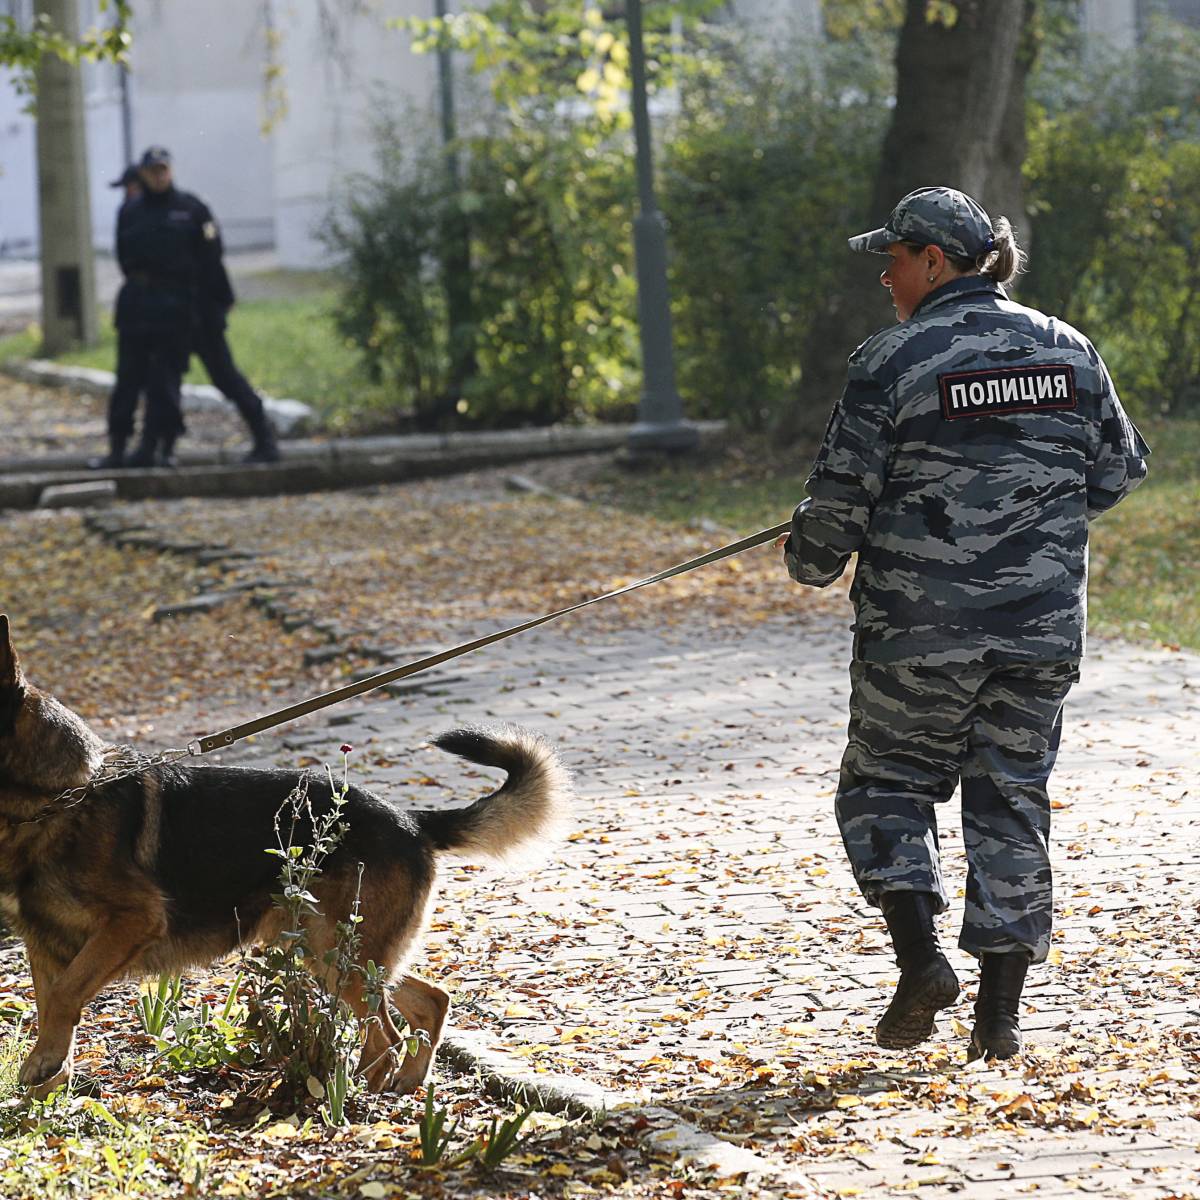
972 445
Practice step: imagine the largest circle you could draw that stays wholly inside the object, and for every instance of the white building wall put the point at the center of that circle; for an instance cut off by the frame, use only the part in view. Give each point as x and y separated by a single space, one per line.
18 145
196 86
18 171
332 91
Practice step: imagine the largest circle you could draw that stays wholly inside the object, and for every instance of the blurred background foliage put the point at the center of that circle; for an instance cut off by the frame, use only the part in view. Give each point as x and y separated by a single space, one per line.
764 157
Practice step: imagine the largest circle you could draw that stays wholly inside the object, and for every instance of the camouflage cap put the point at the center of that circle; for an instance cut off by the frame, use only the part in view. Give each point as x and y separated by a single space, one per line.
933 216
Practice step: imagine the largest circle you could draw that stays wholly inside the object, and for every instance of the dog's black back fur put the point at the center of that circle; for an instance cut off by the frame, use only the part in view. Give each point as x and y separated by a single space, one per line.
217 824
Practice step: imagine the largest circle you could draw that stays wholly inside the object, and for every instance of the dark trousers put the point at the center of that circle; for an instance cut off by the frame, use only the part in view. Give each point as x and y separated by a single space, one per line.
212 349
153 363
915 733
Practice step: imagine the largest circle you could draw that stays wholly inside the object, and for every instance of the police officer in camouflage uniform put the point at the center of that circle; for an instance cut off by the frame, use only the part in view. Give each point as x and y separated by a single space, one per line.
974 442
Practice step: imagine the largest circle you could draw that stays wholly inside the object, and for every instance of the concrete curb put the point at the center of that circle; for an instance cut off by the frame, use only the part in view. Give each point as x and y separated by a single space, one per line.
665 1132
327 466
289 416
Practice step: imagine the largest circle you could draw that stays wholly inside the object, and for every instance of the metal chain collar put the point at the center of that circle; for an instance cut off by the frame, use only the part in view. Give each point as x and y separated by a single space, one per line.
120 762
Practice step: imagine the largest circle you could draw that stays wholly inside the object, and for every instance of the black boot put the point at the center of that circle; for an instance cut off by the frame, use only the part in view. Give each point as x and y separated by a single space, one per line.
146 453
265 448
997 1032
115 458
166 452
927 981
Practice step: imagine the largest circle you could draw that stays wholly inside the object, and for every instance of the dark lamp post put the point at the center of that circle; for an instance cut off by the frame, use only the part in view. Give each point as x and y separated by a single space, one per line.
660 425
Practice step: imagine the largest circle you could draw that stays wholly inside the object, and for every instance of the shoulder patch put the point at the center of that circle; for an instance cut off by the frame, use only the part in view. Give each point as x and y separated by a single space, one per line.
1005 390
210 230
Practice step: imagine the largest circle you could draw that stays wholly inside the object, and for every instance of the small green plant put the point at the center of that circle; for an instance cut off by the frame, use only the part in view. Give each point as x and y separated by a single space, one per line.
502 1139
489 1150
306 1032
73 1146
200 1039
303 1033
336 1091
14 1046
435 1138
158 1007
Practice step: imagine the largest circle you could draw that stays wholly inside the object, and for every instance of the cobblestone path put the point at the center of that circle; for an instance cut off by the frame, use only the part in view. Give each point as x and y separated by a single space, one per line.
700 943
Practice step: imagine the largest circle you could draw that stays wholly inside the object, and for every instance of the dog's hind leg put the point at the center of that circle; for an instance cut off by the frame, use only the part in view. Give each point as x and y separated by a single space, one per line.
104 957
424 1006
381 1054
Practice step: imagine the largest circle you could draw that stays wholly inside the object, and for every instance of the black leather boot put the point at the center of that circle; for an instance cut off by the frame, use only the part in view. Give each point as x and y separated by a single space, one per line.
265 448
997 1032
166 452
146 453
927 981
115 458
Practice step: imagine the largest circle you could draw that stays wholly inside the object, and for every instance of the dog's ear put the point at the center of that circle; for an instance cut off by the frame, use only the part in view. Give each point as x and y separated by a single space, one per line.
10 665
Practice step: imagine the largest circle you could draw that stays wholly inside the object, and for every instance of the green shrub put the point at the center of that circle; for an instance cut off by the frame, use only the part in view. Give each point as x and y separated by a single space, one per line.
552 292
768 155
1114 186
390 305
772 154
302 1040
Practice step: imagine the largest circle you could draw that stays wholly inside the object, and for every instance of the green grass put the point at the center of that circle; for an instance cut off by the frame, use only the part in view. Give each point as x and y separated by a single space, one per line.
1145 580
286 346
1145 573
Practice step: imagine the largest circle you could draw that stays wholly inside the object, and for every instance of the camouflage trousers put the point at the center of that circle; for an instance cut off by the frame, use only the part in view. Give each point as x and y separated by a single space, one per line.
915 733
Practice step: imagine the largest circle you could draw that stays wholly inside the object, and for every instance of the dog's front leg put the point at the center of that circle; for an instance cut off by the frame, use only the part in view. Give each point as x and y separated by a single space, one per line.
104 956
45 972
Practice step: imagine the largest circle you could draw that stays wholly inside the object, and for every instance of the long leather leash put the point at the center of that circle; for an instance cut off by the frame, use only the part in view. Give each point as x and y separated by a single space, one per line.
236 733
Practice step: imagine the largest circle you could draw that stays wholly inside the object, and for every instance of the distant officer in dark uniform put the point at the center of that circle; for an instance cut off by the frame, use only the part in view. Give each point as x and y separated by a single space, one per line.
971 447
120 423
131 181
215 300
166 245
175 299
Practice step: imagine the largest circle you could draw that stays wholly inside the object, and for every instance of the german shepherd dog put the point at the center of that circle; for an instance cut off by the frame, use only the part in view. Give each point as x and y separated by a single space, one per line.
166 869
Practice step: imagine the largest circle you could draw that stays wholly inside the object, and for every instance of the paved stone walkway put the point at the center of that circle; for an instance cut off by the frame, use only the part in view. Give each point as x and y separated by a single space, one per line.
699 942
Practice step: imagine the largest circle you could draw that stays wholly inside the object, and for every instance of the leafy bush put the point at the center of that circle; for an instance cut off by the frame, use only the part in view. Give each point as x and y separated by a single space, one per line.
763 155
385 235
771 153
308 1035
552 293
1114 183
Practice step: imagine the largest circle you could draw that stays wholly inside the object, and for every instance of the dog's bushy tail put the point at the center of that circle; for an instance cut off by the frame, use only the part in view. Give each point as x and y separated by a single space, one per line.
532 807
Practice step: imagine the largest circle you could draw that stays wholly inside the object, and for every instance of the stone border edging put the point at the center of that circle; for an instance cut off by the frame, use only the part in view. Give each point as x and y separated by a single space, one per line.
665 1132
289 416
329 466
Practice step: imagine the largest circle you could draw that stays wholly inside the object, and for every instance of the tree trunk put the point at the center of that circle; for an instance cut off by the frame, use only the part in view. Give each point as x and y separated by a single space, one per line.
959 122
1003 192
64 213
